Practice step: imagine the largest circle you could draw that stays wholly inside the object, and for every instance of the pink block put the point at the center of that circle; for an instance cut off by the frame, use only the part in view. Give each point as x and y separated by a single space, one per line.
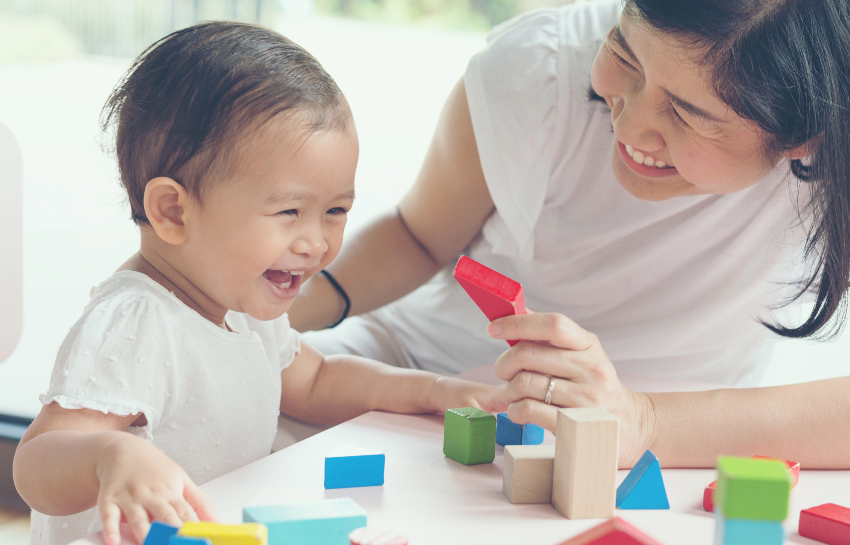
613 532
827 523
495 294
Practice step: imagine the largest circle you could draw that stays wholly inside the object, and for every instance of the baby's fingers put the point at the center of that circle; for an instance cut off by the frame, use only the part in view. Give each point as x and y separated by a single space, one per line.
200 506
166 512
110 517
137 518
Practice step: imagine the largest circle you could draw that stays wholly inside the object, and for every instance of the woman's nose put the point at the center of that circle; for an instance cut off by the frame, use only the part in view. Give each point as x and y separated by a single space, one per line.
636 122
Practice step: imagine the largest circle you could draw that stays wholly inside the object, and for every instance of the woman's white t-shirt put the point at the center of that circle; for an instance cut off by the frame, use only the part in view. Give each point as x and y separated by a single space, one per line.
672 288
211 397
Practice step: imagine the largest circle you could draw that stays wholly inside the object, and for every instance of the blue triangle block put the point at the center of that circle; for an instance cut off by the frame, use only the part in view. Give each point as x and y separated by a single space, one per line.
643 487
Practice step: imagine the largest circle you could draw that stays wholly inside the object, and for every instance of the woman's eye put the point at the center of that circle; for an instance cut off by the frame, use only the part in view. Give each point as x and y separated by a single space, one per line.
678 118
618 59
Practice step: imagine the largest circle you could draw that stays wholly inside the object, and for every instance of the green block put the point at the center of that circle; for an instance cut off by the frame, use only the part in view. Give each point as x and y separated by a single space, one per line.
753 489
469 436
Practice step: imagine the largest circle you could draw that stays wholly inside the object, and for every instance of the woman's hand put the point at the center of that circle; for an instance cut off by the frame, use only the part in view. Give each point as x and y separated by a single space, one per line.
141 483
581 376
451 393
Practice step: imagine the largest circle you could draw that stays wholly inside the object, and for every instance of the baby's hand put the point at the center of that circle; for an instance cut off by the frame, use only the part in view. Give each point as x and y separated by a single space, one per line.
141 483
451 393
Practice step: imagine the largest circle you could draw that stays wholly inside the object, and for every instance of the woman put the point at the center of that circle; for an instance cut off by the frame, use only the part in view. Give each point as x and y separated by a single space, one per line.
670 237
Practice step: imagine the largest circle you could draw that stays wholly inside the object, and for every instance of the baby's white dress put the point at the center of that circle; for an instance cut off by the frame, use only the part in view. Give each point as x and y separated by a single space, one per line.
211 397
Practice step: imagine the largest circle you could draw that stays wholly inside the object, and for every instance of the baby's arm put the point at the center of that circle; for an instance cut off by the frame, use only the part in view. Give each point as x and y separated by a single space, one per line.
71 460
333 389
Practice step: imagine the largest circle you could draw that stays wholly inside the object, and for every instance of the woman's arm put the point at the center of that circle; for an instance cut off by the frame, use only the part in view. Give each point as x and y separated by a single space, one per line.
71 460
807 423
332 389
399 251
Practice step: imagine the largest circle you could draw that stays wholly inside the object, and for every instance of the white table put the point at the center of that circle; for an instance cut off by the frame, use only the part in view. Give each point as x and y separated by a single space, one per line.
435 500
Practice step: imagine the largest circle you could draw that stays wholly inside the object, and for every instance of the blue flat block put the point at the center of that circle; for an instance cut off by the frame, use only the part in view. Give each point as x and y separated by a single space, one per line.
507 433
532 434
351 467
325 522
643 487
160 533
186 540
747 532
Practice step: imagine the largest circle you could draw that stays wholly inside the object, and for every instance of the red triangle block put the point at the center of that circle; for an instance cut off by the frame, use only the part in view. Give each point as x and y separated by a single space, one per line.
613 532
494 293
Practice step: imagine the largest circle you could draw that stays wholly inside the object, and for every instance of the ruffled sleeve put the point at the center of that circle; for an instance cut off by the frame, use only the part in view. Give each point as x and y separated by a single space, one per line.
512 90
119 358
288 341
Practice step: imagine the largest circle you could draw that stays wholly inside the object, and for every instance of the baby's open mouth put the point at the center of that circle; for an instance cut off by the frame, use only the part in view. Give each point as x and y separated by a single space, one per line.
283 279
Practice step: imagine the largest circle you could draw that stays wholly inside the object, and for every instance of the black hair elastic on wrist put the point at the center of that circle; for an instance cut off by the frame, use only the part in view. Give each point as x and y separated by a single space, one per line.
342 293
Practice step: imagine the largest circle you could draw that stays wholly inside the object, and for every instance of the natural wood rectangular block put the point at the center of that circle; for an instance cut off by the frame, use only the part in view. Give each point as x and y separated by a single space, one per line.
586 456
527 473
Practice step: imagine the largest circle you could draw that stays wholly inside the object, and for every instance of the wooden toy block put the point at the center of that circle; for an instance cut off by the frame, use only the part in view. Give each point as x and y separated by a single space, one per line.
827 523
754 489
376 536
226 534
469 436
612 532
350 467
643 487
507 433
494 293
326 522
183 540
584 479
708 493
159 533
747 532
527 473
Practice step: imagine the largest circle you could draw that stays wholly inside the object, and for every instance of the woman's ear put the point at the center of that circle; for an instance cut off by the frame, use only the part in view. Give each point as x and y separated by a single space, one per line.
165 208
803 150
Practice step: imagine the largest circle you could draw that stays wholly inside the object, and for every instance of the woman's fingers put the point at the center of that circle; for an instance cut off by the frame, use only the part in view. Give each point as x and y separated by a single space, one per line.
535 412
551 327
110 516
197 501
540 358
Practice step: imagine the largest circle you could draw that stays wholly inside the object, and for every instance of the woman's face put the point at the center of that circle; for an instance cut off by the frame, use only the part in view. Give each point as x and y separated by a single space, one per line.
674 137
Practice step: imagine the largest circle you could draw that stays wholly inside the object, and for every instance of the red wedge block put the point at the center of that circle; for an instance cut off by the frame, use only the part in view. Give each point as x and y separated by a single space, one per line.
827 523
613 532
495 294
708 493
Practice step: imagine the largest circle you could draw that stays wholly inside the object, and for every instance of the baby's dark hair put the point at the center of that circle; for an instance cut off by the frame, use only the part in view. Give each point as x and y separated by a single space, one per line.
190 97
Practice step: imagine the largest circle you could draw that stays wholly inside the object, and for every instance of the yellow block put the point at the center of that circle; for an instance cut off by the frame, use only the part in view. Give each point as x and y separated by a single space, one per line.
249 533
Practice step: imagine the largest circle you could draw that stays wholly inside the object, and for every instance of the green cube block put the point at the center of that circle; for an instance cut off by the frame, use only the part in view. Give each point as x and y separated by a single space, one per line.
754 489
469 436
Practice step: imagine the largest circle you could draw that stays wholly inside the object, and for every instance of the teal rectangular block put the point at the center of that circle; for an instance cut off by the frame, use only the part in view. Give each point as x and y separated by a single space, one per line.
469 436
326 522
350 467
747 532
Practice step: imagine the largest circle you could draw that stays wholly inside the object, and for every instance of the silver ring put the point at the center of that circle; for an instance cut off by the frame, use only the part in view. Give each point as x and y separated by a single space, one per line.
548 399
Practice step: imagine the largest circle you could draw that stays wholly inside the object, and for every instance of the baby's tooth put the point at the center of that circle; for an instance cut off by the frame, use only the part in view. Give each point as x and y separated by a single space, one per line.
649 161
660 164
638 157
297 273
284 285
630 150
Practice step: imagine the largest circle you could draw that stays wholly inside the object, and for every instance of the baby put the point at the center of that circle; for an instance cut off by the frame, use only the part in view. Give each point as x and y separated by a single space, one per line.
238 152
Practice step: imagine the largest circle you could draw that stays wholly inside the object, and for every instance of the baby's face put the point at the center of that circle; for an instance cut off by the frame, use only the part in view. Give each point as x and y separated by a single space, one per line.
275 221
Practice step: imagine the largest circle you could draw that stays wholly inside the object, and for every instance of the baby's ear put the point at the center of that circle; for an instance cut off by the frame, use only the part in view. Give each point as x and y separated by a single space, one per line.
165 208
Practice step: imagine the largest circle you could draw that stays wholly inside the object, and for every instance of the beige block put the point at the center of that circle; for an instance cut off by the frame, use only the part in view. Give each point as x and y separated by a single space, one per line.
527 473
585 471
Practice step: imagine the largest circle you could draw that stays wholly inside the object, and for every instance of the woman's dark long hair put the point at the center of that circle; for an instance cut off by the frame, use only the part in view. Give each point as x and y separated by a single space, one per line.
785 65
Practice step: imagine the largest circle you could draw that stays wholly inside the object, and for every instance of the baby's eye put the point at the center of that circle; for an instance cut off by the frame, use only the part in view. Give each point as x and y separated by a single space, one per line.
290 212
338 210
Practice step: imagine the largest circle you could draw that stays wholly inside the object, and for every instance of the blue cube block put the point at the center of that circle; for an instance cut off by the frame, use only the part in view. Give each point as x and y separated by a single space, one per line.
532 434
349 467
747 532
160 533
325 522
507 433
